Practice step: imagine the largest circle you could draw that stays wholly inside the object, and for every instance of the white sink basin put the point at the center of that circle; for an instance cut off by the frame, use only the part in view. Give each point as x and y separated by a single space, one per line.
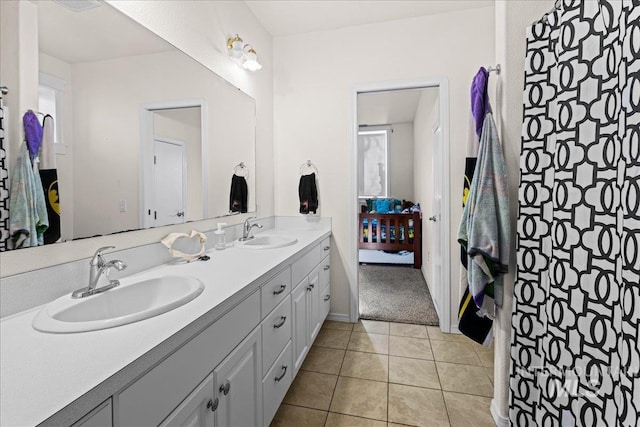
127 303
267 242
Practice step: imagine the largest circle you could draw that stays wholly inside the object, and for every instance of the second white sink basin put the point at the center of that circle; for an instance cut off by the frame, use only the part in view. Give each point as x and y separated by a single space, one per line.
125 304
267 242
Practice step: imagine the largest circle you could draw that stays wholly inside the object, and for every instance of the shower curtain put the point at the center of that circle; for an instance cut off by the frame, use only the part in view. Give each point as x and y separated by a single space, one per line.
575 356
4 182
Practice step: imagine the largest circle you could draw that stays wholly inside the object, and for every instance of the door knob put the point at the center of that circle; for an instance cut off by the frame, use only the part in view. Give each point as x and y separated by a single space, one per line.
433 218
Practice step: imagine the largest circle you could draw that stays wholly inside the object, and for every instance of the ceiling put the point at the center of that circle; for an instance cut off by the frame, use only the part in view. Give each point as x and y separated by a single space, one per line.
92 35
395 106
286 17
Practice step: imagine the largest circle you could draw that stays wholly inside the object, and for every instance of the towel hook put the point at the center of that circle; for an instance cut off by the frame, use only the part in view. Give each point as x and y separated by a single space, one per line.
496 69
241 167
310 165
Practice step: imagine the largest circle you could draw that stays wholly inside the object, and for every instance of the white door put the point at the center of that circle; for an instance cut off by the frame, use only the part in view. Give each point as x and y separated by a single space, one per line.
300 311
169 182
435 219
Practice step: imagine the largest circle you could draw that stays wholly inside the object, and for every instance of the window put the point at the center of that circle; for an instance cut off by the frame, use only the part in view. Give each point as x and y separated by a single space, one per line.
50 101
373 171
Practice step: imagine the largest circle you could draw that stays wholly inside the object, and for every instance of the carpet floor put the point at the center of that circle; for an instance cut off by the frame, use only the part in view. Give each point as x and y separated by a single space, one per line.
395 293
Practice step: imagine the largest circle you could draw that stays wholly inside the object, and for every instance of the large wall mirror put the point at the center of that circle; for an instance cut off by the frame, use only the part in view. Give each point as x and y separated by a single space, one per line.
144 135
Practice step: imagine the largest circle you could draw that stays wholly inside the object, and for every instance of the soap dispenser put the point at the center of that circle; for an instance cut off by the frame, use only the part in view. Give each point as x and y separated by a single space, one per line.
219 238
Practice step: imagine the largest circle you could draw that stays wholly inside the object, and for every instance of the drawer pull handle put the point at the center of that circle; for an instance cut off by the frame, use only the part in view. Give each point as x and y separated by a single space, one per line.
326 267
280 290
327 297
326 248
282 320
225 388
213 404
284 372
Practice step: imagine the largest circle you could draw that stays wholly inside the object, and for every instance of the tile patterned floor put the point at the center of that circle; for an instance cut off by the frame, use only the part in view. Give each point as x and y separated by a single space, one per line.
381 374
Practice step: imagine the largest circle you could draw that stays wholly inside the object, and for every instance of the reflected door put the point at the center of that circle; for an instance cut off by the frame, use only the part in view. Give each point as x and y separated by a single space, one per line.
169 177
436 224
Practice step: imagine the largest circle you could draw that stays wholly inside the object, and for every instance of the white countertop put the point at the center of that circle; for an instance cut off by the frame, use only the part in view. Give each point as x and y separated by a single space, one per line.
42 373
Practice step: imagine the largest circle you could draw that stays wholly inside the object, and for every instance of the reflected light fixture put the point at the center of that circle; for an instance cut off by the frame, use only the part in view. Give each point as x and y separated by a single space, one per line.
245 54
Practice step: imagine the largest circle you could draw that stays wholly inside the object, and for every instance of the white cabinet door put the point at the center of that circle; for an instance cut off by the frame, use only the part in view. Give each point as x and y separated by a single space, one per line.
299 300
314 307
99 417
238 385
197 410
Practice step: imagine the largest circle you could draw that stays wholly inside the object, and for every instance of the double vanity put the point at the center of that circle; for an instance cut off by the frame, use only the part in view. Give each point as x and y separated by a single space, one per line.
225 353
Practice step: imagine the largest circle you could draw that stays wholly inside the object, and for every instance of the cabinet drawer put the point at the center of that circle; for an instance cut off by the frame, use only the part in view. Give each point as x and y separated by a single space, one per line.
325 303
301 268
276 383
326 246
276 332
325 271
275 290
150 399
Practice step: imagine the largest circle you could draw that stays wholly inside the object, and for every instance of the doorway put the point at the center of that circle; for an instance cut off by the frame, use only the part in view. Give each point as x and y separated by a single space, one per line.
423 180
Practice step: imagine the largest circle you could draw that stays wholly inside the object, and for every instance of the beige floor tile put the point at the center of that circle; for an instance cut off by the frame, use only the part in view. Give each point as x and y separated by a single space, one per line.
489 373
436 334
415 372
416 406
297 416
368 366
416 348
370 343
468 411
332 338
372 327
361 398
455 352
406 330
312 390
323 359
464 379
341 420
485 354
342 326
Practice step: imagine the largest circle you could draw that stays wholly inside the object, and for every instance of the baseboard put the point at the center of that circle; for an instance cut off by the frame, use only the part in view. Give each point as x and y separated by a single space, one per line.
339 317
497 418
455 330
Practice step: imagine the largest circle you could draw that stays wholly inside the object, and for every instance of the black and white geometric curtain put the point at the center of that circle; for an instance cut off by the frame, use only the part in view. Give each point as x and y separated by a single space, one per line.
4 180
575 352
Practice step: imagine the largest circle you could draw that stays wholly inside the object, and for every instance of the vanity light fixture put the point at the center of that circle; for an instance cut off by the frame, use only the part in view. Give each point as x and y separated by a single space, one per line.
244 53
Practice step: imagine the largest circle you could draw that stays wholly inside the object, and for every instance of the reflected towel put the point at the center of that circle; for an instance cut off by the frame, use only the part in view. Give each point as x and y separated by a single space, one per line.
28 218
238 194
308 193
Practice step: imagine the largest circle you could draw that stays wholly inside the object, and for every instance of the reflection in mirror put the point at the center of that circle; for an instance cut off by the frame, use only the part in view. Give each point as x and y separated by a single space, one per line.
144 135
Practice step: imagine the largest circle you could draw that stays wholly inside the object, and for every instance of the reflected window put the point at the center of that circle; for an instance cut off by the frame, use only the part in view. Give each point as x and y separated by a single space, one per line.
373 170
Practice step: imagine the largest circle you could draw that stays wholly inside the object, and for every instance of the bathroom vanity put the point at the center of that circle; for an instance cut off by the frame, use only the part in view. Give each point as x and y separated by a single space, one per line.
225 358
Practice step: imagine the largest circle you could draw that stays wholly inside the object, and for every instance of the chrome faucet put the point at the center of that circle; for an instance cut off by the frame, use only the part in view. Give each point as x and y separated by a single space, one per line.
97 267
246 235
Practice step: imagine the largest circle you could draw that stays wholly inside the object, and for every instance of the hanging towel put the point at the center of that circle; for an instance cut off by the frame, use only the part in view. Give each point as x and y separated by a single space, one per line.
238 194
27 210
471 321
308 193
484 229
49 177
32 132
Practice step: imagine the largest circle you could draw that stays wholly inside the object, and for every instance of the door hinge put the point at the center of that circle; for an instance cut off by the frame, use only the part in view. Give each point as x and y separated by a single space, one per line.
154 160
155 214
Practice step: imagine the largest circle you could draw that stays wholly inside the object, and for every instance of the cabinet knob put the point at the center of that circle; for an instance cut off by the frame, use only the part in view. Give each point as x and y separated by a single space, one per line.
225 388
213 404
326 267
326 248
281 376
309 288
282 320
280 290
327 297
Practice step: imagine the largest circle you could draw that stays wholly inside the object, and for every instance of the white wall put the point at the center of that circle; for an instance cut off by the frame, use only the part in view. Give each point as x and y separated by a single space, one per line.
512 18
314 76
426 116
200 29
401 162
